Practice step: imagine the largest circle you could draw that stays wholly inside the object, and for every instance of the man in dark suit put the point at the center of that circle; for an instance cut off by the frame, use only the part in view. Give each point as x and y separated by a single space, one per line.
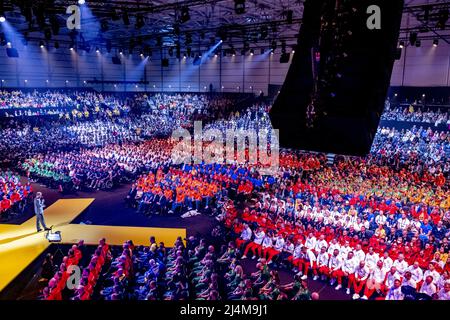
131 196
39 212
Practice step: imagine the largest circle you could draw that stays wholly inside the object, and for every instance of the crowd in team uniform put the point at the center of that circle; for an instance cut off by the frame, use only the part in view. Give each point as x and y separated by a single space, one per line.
14 194
376 227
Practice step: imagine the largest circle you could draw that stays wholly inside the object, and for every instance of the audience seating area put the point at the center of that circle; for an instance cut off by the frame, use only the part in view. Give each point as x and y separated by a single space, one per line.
374 227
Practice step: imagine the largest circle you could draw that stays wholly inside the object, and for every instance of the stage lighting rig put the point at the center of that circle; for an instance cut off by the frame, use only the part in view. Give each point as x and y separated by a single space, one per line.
239 6
443 18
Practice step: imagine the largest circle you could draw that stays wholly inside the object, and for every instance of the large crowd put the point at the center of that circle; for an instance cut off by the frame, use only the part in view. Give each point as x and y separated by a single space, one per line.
375 227
417 113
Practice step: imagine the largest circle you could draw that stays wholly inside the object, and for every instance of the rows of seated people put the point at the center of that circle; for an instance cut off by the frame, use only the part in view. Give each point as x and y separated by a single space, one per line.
97 168
161 114
87 104
60 286
335 239
190 270
414 113
14 195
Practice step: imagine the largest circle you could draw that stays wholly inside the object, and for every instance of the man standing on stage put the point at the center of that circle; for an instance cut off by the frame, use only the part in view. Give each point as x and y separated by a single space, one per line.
39 212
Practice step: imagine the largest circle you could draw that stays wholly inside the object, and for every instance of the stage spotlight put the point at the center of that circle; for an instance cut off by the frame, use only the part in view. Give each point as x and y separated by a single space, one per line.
402 44
140 22
184 16
120 51
71 47
435 42
126 18
41 44
141 53
2 19
81 2
97 50
252 52
239 6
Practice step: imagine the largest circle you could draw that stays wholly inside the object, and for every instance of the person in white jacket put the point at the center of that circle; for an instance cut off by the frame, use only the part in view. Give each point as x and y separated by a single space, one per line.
387 261
416 272
444 293
395 292
310 242
359 253
375 281
320 243
334 267
348 268
428 287
358 279
400 264
321 265
431 272
256 245
371 258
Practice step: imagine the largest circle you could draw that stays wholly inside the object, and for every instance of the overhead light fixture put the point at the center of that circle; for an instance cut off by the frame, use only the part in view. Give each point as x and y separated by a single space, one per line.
401 45
2 19
140 22
97 50
435 42
252 52
239 6
184 16
120 51
81 2
41 44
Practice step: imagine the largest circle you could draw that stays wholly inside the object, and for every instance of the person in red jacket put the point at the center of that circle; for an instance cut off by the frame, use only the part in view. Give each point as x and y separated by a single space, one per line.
5 204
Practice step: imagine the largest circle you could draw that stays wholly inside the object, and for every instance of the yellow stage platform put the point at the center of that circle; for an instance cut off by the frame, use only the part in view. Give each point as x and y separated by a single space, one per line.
21 244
